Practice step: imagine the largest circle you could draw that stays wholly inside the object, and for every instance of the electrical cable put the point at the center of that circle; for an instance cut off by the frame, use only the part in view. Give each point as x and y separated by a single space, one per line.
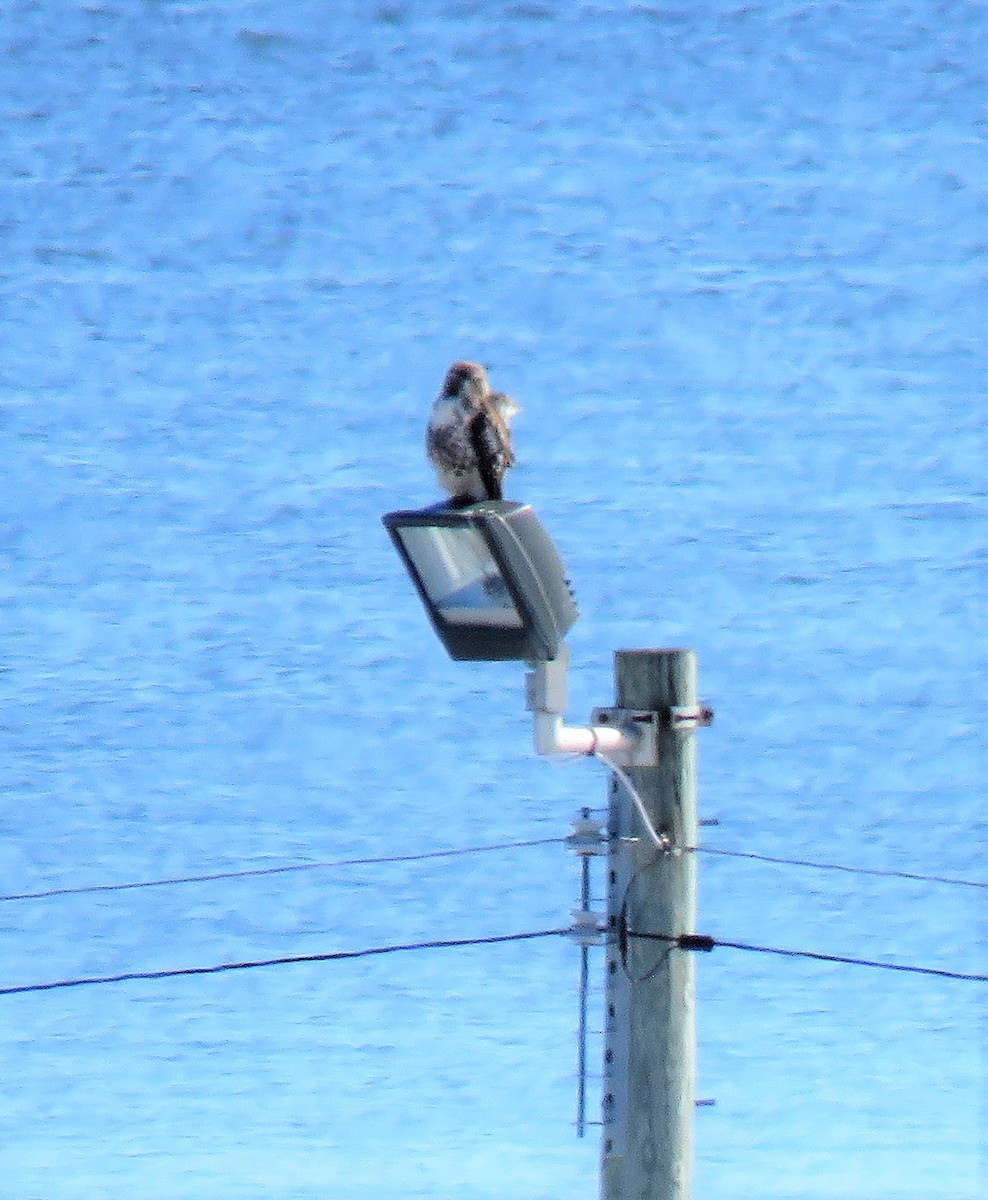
334 956
704 943
289 868
254 872
661 844
665 847
822 866
693 941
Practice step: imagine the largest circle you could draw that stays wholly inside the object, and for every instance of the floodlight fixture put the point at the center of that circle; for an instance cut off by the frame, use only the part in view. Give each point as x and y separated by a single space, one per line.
489 577
495 589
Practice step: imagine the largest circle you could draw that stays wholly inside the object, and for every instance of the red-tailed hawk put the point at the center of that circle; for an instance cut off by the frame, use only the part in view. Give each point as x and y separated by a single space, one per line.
469 441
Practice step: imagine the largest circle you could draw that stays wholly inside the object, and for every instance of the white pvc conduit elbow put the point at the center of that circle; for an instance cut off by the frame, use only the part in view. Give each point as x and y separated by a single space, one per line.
553 736
545 689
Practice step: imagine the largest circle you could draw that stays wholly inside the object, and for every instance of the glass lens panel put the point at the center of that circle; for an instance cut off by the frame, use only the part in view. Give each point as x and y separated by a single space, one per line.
460 576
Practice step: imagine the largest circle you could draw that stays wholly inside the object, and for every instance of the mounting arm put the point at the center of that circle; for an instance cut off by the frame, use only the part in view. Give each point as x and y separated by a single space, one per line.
627 743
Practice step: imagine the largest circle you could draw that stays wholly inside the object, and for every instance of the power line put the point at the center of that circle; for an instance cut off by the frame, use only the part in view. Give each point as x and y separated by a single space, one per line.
291 868
288 868
335 956
664 846
824 866
693 941
697 942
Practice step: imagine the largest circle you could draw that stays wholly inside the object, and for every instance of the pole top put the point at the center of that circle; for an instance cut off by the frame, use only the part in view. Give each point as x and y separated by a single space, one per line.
657 651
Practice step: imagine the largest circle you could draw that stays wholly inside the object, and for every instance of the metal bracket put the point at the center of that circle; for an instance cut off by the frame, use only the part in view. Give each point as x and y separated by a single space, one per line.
686 718
644 725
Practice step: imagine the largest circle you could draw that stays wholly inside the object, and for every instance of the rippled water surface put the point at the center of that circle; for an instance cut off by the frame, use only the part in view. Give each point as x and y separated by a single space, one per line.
731 258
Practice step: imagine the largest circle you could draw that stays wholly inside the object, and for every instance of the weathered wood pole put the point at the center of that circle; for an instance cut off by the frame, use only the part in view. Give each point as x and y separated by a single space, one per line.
650 1042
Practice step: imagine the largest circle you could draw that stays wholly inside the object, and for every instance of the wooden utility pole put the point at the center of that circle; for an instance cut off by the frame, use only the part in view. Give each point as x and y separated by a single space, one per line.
650 1042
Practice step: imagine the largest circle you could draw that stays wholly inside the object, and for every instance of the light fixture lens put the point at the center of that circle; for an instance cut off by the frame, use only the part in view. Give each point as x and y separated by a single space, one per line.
460 576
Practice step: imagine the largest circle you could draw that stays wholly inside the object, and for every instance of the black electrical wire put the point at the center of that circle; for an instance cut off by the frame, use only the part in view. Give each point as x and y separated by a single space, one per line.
663 848
686 941
694 941
253 872
334 956
291 868
824 866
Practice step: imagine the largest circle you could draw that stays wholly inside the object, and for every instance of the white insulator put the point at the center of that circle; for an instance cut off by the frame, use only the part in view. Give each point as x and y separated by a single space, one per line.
589 928
587 837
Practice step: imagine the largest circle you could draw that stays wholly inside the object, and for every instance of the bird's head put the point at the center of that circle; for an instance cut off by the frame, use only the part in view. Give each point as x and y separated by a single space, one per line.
466 381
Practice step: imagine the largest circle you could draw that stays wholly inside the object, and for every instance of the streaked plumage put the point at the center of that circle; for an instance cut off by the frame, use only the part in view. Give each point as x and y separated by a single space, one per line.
469 439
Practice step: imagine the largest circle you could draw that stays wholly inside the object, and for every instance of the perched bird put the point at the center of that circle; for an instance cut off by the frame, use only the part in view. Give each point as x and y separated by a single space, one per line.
469 441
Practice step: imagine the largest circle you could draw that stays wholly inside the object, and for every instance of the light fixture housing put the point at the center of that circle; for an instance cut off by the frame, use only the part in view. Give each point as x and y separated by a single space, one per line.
490 578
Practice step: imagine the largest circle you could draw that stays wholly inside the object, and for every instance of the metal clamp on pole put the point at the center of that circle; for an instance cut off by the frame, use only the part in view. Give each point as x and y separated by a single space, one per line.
624 743
686 717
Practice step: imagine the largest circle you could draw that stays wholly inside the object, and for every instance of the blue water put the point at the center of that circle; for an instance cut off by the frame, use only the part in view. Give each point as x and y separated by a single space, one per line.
731 258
